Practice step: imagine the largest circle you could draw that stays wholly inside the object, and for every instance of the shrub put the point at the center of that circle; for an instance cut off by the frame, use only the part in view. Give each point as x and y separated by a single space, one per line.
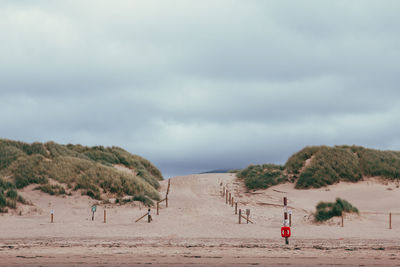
12 194
51 189
327 210
262 176
3 200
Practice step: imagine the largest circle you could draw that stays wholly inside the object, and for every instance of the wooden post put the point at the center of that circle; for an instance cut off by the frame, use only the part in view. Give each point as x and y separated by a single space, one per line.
141 218
52 217
158 206
232 202
390 220
223 191
244 217
169 183
285 218
290 219
105 216
92 215
240 216
236 208
342 221
230 198
226 196
285 214
166 201
247 215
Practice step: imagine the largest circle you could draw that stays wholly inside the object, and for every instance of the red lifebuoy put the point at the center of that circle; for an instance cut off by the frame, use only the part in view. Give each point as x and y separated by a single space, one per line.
285 231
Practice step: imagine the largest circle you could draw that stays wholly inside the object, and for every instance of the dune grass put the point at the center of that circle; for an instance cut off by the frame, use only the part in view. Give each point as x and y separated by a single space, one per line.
262 176
328 165
52 189
89 169
327 210
296 161
8 196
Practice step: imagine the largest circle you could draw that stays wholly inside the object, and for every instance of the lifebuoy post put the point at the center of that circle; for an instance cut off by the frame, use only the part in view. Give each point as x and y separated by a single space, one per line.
285 230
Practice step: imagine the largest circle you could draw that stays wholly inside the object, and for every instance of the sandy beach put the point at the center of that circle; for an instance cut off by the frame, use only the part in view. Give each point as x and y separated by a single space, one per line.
199 229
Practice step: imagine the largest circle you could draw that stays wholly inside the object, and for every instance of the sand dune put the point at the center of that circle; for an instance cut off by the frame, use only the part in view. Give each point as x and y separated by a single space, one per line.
198 222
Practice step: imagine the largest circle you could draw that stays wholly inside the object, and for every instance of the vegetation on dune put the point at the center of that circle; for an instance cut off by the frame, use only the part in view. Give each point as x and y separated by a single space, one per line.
296 162
327 210
318 166
262 176
89 169
8 196
52 189
379 163
329 166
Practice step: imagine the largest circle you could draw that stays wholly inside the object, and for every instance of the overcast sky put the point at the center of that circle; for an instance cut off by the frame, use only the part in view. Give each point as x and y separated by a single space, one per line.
200 85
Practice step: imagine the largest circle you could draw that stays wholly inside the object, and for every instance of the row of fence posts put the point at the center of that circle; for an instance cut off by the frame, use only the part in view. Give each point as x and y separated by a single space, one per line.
94 208
93 211
229 199
390 220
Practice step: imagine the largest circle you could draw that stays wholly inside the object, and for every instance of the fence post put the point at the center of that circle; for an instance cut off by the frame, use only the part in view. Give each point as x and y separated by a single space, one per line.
230 198
232 202
223 191
290 219
390 220
158 206
226 197
342 221
240 216
235 208
166 201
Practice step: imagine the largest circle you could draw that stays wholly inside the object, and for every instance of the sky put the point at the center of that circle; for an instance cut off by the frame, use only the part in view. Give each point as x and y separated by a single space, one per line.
195 86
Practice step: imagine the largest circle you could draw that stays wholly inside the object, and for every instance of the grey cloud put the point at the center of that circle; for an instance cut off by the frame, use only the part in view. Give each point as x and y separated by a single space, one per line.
195 86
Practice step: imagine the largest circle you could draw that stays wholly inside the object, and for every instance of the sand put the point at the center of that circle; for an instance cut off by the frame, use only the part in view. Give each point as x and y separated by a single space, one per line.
199 229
